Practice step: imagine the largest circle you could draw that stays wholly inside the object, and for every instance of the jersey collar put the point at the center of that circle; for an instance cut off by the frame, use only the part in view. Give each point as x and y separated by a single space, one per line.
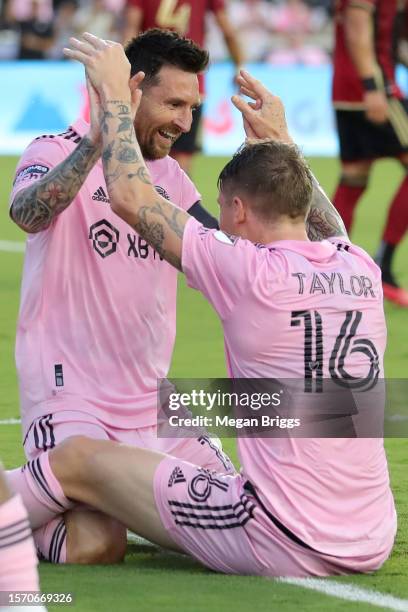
314 251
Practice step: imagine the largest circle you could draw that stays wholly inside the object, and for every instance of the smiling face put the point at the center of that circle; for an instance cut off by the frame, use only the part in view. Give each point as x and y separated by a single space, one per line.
166 111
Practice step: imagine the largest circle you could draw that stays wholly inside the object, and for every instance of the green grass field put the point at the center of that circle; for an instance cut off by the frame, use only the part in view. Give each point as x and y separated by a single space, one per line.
152 580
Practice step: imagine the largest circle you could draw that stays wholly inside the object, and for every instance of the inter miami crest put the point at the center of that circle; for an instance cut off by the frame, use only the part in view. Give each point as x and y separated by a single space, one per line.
104 237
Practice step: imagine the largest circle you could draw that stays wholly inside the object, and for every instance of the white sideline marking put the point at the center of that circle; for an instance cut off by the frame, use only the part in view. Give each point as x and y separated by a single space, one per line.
340 590
349 592
397 417
10 422
12 247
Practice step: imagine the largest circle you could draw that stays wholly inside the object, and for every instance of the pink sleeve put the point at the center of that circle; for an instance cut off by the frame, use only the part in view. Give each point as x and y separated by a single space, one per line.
37 160
222 267
188 192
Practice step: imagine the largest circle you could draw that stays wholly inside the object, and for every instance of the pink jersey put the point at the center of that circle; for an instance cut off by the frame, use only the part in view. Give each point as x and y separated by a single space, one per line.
97 318
333 493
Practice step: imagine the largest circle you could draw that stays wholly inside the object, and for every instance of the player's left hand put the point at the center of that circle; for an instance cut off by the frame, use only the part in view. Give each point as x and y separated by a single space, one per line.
106 64
265 116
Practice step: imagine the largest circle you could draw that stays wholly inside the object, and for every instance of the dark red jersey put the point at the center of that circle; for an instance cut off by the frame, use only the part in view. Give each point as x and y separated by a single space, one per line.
185 16
387 17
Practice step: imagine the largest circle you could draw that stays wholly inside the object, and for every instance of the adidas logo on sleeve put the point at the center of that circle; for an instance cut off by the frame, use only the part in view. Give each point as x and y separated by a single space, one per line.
100 195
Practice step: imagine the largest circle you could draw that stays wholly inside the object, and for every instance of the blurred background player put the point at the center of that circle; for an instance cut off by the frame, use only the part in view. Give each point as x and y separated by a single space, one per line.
18 558
187 17
37 34
371 116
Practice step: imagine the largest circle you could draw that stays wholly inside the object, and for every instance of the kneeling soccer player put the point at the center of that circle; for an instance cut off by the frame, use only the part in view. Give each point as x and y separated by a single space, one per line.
301 506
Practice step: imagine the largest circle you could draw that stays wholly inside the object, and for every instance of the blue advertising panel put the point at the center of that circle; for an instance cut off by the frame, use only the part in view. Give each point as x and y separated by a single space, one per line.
38 98
45 97
305 92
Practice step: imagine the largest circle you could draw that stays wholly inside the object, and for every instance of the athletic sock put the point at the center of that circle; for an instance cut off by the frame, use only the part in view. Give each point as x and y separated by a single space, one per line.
345 200
51 540
18 559
40 490
384 258
397 221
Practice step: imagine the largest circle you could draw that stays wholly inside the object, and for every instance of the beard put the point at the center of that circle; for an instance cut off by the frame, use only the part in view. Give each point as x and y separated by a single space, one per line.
150 150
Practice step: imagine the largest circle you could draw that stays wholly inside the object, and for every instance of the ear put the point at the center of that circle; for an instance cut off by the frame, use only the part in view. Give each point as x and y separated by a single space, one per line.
240 209
135 81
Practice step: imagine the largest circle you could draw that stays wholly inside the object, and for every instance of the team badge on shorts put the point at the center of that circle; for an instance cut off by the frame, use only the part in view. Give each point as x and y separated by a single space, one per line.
200 487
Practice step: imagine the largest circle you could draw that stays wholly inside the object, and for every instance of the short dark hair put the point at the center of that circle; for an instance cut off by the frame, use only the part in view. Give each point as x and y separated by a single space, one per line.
274 174
155 48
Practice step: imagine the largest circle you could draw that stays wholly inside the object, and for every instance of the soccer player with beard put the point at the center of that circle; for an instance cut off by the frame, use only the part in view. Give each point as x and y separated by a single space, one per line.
188 18
301 506
97 318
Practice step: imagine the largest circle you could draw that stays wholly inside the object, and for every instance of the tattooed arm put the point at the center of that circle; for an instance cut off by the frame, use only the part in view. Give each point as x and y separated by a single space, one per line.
34 208
323 220
132 194
265 118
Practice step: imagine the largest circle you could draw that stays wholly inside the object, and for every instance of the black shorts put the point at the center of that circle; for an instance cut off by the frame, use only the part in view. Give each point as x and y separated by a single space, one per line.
187 143
361 139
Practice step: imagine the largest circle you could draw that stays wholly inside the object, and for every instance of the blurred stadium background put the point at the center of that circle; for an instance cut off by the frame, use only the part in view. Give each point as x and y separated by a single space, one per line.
288 45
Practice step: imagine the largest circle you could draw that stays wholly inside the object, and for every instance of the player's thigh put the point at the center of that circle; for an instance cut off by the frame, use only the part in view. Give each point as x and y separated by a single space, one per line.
114 478
218 521
202 451
356 169
207 514
361 142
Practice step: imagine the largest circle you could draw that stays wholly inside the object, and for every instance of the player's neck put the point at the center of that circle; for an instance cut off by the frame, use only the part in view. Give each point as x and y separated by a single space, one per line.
286 230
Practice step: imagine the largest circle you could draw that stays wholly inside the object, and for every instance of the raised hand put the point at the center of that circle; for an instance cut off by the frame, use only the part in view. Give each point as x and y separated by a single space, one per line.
106 64
264 117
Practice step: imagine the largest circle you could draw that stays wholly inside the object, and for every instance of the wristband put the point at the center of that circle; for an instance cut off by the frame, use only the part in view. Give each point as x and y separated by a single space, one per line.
369 84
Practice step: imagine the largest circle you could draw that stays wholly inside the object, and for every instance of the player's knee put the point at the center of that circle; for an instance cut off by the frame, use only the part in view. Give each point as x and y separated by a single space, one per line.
355 173
68 461
354 179
93 538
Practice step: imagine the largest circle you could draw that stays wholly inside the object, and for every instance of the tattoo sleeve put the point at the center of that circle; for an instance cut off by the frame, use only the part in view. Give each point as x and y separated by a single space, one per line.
132 194
34 208
323 220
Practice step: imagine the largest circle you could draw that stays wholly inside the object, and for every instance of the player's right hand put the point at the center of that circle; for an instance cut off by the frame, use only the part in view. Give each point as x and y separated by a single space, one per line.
265 116
376 106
